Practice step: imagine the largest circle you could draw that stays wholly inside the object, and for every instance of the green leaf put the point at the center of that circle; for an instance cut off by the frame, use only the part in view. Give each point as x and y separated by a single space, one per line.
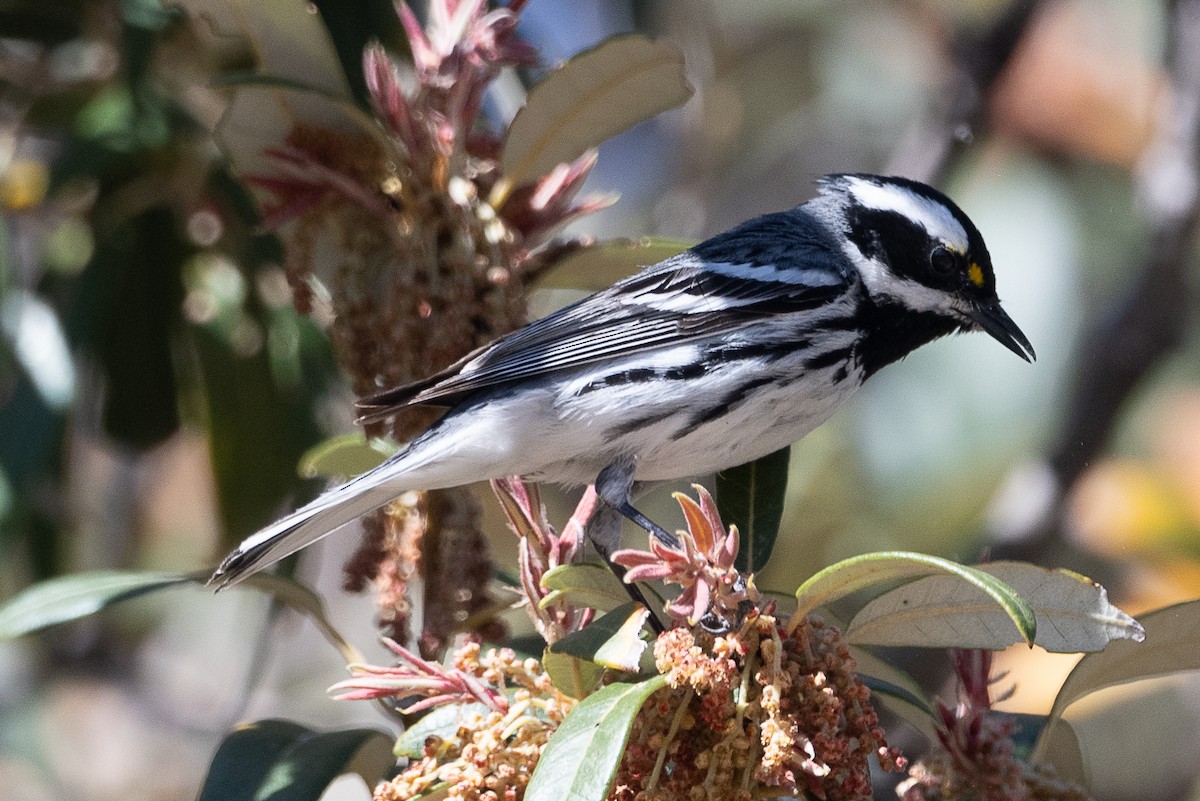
750 496
260 406
902 705
287 40
352 25
883 567
595 267
281 761
571 675
138 314
1063 751
868 664
260 117
34 335
248 78
1169 647
443 722
582 757
51 24
625 649
308 767
1073 613
593 96
245 757
71 597
343 456
584 584
257 429
612 641
148 14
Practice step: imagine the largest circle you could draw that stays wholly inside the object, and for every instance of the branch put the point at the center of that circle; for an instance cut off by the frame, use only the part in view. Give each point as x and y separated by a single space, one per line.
935 143
1148 322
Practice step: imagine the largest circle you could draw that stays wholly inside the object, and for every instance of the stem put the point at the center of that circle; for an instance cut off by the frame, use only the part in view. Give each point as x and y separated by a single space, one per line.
744 689
676 722
755 756
777 661
743 704
517 725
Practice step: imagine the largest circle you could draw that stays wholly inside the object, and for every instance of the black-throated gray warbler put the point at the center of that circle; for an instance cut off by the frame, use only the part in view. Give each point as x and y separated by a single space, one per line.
717 356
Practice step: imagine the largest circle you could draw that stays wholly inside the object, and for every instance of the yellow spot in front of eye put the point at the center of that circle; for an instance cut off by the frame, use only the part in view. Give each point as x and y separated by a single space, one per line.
975 274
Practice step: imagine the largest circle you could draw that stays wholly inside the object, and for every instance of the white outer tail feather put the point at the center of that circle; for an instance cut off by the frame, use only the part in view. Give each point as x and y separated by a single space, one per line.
458 449
321 517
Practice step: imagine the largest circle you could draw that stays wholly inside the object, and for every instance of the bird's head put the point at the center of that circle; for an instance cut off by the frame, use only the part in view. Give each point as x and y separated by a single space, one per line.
915 248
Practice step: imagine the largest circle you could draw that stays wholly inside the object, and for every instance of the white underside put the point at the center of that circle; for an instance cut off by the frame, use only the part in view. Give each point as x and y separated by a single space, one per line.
528 434
555 431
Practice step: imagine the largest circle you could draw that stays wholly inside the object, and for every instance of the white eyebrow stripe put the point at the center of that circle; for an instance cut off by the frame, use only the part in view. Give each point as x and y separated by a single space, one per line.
933 216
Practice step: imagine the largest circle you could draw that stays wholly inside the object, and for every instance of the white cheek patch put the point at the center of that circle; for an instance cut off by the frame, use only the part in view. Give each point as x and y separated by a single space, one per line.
880 281
933 216
920 297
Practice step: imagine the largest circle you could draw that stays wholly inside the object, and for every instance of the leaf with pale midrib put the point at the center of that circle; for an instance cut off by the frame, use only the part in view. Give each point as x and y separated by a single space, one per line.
751 497
876 570
594 96
582 756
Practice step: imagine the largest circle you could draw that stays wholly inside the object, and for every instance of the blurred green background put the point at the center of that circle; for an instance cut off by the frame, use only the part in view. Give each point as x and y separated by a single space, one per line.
157 388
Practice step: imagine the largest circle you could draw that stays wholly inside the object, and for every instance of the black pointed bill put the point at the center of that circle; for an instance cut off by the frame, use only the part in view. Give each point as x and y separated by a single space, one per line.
995 321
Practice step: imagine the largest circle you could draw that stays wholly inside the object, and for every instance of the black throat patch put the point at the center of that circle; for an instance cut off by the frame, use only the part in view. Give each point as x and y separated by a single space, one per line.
891 331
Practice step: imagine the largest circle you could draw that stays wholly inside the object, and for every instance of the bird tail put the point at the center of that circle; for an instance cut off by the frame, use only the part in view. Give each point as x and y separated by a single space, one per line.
308 524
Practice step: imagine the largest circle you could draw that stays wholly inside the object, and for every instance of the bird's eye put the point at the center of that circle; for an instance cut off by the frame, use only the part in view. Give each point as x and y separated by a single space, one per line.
943 262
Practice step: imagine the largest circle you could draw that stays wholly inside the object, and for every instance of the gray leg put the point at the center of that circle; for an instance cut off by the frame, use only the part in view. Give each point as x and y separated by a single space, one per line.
614 485
604 530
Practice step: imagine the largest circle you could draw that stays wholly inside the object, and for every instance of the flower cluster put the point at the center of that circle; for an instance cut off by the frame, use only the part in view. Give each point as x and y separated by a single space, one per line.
749 710
818 724
429 261
413 675
541 548
754 711
714 592
492 754
975 756
431 267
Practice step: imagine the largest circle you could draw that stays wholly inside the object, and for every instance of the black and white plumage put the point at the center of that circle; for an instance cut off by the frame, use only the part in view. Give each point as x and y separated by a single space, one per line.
717 356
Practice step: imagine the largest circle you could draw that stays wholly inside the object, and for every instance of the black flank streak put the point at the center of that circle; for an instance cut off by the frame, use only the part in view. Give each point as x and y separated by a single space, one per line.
617 379
638 424
633 376
725 405
639 374
686 372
